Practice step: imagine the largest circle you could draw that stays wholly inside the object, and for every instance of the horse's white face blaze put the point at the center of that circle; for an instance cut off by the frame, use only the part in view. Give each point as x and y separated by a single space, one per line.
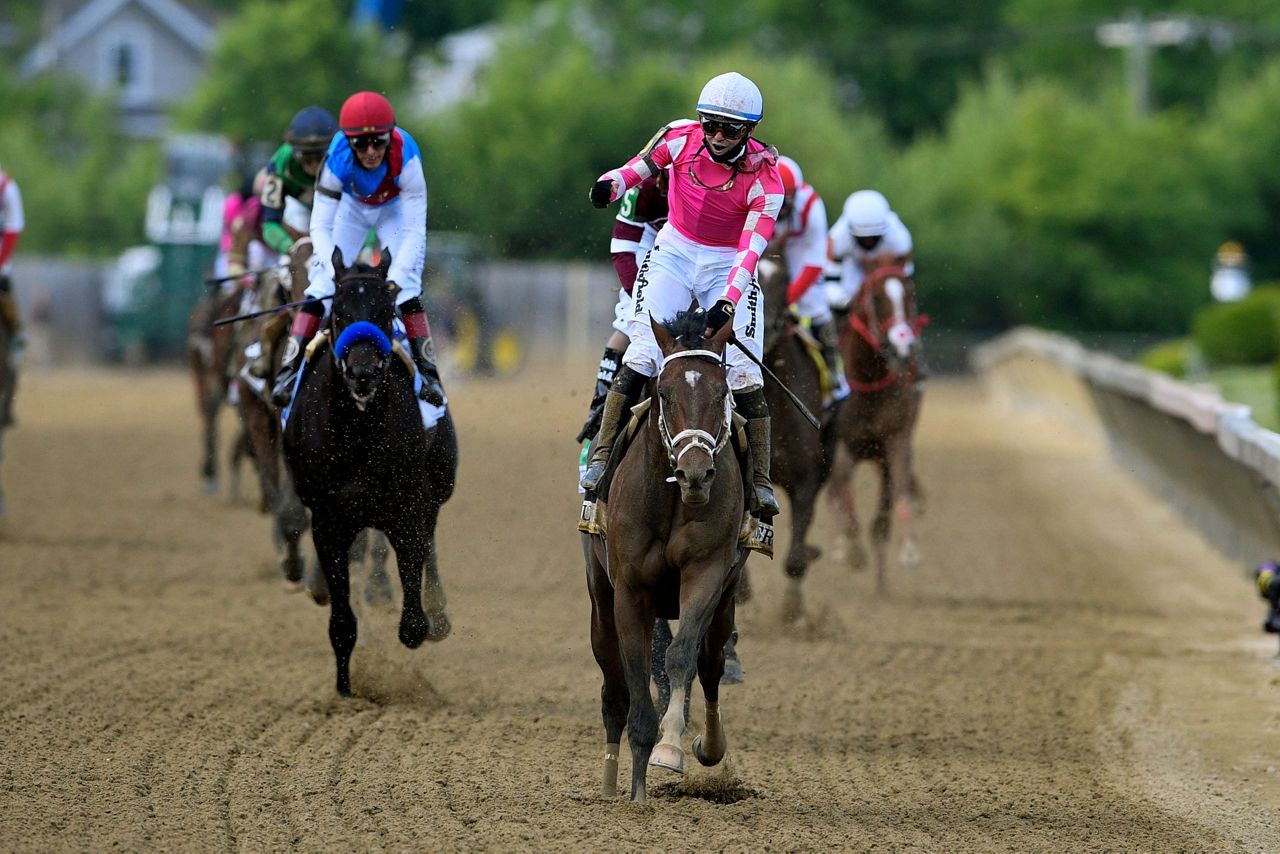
691 377
901 335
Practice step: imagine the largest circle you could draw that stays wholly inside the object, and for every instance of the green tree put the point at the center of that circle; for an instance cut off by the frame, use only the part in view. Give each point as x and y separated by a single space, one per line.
273 58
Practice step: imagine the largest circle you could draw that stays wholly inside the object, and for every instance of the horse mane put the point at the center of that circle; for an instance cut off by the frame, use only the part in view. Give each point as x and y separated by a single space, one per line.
687 328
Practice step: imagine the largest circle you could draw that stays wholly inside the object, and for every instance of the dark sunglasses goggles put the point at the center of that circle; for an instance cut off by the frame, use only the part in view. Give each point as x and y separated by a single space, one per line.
731 130
376 141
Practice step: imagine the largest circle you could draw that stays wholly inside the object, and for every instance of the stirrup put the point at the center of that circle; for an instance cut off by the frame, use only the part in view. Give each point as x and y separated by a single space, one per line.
589 521
756 534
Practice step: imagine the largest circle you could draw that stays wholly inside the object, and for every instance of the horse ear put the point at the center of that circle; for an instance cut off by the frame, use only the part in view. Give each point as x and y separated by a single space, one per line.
665 342
338 267
384 264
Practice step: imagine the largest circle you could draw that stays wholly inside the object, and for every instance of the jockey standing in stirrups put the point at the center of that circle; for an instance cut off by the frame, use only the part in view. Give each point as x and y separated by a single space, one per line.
372 178
802 226
724 196
290 174
641 214
867 235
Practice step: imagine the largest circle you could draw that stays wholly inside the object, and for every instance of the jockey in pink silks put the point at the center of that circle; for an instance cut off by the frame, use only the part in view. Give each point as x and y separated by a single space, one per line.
724 198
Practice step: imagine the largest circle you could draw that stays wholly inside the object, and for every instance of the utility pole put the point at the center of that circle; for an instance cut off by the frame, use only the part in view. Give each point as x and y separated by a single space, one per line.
1138 37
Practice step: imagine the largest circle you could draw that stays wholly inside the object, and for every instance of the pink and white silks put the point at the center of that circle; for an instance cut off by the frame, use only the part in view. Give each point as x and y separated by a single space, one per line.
721 219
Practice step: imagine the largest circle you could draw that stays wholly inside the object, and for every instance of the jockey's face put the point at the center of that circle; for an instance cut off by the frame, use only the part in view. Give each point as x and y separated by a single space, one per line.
370 148
723 136
869 242
310 161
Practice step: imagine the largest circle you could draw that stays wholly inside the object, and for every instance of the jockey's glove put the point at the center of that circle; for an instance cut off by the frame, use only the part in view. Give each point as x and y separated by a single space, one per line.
602 193
720 314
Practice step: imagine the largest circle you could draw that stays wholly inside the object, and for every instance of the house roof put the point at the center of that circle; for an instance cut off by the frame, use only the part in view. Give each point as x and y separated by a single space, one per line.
89 18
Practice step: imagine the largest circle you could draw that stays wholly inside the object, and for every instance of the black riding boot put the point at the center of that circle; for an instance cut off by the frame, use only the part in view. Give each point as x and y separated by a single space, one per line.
610 364
423 352
752 406
830 346
293 358
627 385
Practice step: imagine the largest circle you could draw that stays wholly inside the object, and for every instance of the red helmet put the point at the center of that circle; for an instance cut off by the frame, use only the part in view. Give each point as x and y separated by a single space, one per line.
789 172
366 112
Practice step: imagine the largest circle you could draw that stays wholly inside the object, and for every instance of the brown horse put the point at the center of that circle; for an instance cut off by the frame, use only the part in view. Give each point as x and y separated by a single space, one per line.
881 345
801 455
671 550
209 353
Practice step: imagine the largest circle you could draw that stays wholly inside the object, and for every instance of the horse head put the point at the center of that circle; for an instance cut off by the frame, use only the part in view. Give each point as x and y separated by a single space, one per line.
364 308
694 406
885 316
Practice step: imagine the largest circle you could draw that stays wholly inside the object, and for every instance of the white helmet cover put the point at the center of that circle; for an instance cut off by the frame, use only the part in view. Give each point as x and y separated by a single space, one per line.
867 213
733 96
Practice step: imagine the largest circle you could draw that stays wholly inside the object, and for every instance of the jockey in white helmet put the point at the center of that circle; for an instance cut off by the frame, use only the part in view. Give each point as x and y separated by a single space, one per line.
802 233
724 197
868 235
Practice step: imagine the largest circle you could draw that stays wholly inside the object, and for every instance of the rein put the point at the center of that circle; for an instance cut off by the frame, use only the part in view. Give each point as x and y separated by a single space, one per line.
696 438
361 330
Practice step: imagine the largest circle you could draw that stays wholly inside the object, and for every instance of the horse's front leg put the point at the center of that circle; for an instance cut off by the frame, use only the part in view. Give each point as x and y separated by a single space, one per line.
332 536
711 746
633 618
615 699
411 553
803 497
902 475
700 597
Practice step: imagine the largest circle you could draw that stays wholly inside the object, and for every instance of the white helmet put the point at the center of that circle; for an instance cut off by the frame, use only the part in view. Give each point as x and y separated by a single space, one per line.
732 96
867 213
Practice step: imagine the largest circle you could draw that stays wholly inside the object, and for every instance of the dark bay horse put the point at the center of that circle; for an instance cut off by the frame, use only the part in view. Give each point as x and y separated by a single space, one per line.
671 551
880 345
801 455
361 458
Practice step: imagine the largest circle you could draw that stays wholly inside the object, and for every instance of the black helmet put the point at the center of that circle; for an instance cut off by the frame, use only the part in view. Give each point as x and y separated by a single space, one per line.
311 130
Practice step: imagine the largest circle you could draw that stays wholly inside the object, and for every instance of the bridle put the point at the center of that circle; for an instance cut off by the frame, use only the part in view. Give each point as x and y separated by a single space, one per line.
866 325
700 439
339 353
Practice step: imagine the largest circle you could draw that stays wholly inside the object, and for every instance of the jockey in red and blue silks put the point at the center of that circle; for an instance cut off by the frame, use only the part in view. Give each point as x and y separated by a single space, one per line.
724 197
372 179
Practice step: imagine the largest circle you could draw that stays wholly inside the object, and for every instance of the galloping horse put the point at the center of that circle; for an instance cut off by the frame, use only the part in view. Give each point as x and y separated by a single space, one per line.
262 427
209 350
362 458
671 550
880 347
801 455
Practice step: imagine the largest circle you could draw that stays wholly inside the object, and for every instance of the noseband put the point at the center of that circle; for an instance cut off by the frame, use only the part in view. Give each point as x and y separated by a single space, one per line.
695 438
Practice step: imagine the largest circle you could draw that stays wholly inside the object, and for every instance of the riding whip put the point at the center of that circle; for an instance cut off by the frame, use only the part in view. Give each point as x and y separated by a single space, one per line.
217 280
254 314
808 416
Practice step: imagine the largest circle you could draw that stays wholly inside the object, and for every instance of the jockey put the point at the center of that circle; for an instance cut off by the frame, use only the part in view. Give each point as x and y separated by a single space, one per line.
724 197
11 225
642 212
868 235
230 212
802 228
290 174
372 179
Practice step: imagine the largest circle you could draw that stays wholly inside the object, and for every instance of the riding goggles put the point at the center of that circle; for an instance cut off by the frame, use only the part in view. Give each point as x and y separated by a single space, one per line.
731 130
869 241
376 141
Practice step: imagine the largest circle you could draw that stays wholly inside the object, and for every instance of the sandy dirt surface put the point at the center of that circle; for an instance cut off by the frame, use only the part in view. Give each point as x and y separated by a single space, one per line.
1071 669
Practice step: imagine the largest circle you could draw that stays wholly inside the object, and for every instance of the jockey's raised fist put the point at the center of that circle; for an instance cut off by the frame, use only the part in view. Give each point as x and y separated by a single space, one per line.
602 193
720 314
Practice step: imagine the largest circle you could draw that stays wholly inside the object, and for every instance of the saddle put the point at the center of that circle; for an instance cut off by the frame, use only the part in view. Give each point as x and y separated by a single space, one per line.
755 533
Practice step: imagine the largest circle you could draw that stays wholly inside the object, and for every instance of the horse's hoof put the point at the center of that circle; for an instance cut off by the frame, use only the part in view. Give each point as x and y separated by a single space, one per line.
859 559
733 672
291 587
702 758
414 631
440 627
667 756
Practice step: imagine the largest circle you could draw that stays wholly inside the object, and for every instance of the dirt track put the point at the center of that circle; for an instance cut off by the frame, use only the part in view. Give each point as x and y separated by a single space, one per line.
1071 669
